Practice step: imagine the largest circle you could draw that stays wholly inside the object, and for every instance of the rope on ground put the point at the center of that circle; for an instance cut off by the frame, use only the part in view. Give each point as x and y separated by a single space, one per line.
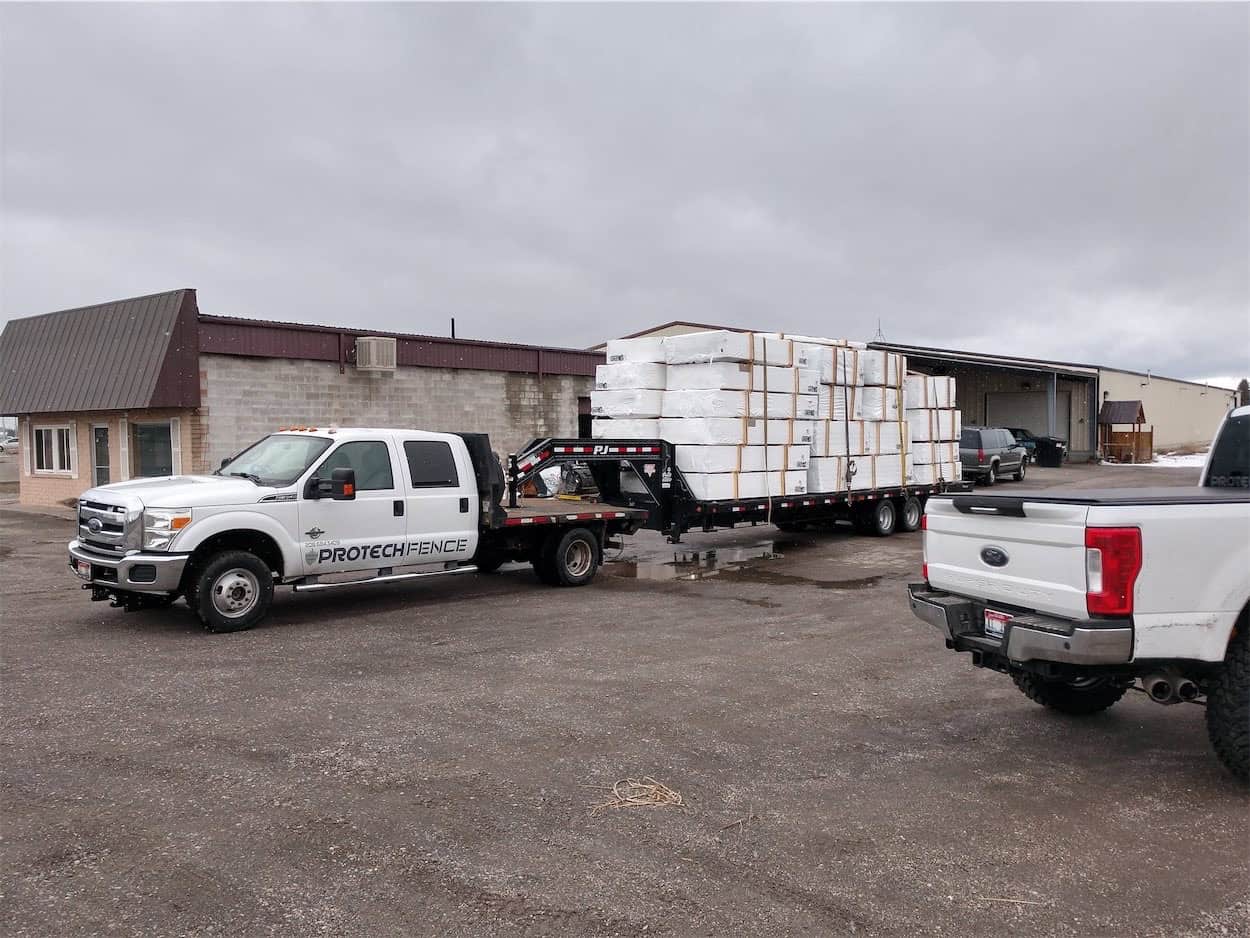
640 793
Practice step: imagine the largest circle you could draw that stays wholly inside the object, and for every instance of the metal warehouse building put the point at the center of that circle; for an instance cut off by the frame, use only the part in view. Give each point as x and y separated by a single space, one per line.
150 386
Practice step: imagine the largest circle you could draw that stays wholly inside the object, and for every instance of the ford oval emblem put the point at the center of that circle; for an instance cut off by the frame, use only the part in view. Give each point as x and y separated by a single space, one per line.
994 556
95 526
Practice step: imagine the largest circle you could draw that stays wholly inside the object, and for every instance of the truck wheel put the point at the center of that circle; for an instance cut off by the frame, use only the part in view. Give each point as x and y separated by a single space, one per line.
571 559
1018 475
1081 697
233 591
1228 707
912 512
991 476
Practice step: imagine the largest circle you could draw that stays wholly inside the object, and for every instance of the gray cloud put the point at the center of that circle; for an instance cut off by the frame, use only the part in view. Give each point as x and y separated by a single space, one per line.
1060 180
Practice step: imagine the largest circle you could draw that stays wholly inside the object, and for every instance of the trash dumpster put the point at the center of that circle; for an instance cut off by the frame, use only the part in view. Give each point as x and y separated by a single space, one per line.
1051 452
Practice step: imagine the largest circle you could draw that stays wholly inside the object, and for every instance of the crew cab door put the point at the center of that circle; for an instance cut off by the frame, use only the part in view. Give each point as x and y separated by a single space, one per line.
441 501
365 533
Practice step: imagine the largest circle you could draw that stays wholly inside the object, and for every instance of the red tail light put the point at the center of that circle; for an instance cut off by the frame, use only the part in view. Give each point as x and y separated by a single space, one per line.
1112 562
980 456
924 548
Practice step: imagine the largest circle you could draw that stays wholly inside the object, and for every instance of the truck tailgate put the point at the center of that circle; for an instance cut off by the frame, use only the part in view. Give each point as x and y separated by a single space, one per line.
1008 550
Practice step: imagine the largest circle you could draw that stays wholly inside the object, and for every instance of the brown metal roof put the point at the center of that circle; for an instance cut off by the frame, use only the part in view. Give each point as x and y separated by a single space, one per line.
1121 412
127 354
228 335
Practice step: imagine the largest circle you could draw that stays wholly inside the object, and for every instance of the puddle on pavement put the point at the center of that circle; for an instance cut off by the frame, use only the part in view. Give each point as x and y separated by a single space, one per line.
749 564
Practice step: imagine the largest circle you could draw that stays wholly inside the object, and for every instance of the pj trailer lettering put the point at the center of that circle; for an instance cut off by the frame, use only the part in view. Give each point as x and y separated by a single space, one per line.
452 545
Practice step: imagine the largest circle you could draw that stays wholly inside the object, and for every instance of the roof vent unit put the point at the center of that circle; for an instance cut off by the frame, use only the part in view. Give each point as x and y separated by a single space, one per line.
375 353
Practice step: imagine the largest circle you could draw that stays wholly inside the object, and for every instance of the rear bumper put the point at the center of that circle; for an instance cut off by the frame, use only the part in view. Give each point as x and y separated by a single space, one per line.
134 573
1028 637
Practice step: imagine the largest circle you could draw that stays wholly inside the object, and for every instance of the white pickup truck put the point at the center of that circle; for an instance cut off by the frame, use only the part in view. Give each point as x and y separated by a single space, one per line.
321 508
1080 594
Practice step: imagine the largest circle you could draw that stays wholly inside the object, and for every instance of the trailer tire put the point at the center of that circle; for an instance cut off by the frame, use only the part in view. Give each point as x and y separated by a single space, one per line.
883 518
1228 707
791 527
572 559
233 591
911 513
1093 695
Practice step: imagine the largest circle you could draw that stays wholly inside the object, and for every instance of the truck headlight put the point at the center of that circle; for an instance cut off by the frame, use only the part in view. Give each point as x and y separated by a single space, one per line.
161 526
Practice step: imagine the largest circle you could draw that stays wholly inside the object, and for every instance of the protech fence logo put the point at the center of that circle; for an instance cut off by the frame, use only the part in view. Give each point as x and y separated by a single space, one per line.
392 550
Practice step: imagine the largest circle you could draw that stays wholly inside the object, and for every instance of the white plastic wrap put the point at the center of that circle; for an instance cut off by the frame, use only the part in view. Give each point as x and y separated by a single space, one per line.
831 401
724 486
928 391
827 474
877 403
624 429
928 453
738 404
878 472
726 346
645 349
630 376
860 437
712 459
739 376
932 473
878 368
934 424
722 431
626 403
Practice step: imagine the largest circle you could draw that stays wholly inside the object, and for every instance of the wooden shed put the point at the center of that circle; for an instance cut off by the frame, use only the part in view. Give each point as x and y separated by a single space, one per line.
1125 445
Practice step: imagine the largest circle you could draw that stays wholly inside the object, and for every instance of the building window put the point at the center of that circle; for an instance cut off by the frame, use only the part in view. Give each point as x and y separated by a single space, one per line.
54 449
152 444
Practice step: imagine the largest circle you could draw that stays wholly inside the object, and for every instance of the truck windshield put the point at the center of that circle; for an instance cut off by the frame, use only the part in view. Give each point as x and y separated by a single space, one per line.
276 460
1230 460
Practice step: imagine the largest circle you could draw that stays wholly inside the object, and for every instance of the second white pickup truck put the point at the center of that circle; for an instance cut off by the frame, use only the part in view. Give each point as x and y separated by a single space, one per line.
1080 594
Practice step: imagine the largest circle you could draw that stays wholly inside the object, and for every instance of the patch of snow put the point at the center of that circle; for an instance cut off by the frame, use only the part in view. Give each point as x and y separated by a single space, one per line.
1178 460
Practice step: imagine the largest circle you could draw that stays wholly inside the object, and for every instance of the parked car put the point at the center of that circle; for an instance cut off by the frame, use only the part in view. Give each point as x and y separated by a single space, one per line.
1042 450
988 453
1159 595
1026 439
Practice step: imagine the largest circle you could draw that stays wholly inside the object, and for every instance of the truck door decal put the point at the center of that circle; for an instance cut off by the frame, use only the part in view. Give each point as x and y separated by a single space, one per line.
390 550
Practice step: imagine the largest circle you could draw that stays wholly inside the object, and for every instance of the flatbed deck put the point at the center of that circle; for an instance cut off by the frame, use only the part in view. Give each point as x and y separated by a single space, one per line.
562 511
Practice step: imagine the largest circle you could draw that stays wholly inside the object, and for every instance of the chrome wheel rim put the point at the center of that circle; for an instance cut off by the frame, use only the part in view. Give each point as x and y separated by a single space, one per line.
911 515
578 558
885 515
235 593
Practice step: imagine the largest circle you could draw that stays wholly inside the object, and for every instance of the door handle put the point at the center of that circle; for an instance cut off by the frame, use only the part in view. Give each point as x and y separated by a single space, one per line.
464 506
398 507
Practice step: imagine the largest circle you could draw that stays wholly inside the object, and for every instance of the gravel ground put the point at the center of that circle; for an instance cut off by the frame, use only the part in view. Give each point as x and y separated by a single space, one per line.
424 760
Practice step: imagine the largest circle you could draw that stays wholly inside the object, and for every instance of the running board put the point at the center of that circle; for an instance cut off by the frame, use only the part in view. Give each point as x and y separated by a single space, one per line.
389 578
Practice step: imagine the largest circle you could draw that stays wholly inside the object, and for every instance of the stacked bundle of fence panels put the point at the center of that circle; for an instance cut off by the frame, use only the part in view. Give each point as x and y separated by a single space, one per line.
934 423
629 390
741 413
862 439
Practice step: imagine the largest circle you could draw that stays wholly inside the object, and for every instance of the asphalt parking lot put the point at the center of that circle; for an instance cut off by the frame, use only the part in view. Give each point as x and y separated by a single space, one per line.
424 760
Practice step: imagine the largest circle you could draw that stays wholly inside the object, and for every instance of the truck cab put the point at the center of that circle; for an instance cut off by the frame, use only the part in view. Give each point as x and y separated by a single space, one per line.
319 508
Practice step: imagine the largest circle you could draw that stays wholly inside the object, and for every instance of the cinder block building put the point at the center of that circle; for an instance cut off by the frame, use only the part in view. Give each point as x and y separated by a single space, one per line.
150 386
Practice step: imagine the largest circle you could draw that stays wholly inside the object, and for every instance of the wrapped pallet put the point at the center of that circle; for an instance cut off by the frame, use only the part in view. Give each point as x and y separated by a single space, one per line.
625 429
928 392
928 453
645 349
725 486
726 346
834 402
860 437
740 376
878 472
881 369
933 473
877 403
725 431
716 459
936 425
702 404
827 474
631 376
626 403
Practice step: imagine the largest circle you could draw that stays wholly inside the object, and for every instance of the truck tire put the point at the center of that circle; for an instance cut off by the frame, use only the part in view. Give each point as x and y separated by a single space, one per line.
233 591
1228 707
1018 475
991 476
1076 698
571 559
910 513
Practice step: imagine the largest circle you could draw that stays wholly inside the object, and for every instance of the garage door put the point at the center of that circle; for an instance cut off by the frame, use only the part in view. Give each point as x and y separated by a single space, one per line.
1027 409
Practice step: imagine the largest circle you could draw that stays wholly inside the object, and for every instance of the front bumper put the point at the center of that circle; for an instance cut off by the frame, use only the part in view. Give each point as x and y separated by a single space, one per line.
1027 637
134 573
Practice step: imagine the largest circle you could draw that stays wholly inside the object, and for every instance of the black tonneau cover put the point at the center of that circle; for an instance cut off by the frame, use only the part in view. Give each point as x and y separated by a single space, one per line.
1154 495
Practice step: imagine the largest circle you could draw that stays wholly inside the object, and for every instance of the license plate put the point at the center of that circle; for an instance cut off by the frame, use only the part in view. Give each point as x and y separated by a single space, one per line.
83 569
994 622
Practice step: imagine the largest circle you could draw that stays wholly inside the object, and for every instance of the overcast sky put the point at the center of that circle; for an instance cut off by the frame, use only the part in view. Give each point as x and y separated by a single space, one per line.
1054 180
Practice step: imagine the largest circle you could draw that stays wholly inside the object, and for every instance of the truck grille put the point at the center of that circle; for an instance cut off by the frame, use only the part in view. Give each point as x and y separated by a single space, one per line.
108 528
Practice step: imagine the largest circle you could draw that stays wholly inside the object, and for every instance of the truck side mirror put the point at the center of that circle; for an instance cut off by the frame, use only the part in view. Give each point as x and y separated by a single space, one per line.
224 462
343 485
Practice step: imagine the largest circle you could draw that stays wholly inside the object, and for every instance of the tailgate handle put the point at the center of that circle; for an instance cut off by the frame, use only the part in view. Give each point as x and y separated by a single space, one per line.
989 505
